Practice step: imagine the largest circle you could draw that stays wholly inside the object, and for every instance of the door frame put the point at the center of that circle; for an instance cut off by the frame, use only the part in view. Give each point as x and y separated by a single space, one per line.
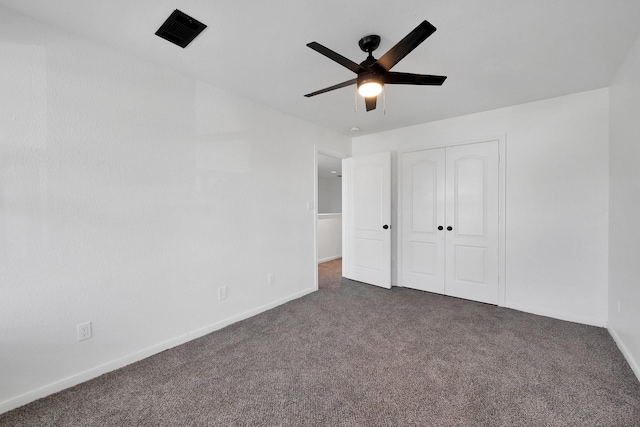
331 153
502 161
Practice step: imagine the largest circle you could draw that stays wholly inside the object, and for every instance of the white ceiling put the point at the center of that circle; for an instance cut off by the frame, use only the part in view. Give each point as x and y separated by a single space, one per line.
495 53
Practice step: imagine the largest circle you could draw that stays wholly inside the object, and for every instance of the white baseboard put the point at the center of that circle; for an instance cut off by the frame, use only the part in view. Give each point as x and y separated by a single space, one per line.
586 320
625 352
331 258
121 362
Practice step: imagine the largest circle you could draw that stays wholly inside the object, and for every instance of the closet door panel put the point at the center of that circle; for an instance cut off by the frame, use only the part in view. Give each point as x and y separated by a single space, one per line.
422 210
472 215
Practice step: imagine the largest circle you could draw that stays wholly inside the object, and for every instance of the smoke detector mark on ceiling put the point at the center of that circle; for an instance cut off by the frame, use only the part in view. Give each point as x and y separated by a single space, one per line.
180 29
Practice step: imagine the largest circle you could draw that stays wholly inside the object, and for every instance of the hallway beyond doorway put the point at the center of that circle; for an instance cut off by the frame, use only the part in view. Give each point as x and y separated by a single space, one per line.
330 274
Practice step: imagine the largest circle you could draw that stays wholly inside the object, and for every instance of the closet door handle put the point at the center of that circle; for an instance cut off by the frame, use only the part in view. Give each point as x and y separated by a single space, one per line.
440 227
449 228
385 226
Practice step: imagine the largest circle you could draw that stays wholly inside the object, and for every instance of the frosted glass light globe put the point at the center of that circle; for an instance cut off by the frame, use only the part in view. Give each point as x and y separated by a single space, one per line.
370 89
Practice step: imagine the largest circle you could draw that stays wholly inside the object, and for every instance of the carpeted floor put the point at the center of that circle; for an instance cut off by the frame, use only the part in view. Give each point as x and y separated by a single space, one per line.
356 355
330 274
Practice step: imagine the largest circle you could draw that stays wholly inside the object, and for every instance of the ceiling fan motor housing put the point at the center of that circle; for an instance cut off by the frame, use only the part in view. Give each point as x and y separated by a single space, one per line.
370 77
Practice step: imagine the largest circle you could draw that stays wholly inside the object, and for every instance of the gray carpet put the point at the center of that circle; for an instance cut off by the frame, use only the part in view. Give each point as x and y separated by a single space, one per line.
356 355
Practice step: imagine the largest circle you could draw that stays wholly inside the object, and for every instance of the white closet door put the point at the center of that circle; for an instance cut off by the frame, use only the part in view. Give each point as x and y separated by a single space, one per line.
422 210
457 188
366 184
472 212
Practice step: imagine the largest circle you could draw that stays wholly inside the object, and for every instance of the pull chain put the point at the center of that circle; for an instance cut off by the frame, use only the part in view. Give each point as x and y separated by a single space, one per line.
355 100
384 101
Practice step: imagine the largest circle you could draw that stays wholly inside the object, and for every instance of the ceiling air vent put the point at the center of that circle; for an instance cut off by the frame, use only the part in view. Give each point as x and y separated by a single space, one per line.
180 29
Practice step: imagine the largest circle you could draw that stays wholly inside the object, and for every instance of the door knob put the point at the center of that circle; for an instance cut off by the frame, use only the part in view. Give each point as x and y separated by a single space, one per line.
440 227
385 226
449 228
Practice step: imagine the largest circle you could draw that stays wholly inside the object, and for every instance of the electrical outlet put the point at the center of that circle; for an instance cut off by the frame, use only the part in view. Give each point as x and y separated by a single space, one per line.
271 278
222 293
84 331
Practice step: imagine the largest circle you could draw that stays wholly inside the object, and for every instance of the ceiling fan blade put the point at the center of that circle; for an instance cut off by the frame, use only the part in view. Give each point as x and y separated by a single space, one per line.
345 62
406 45
370 102
413 79
338 86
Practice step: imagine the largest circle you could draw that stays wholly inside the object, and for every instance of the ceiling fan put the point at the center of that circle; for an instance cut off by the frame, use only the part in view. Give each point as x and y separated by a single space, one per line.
373 73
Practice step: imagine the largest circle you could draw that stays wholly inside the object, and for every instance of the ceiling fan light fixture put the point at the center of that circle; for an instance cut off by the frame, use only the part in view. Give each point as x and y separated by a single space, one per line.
368 89
369 84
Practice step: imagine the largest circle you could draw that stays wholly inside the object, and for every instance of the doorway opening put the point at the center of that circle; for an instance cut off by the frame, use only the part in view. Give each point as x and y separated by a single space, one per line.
329 219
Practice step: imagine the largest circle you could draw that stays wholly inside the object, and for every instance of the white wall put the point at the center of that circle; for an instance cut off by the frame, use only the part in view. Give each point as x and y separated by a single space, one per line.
556 197
329 195
128 195
329 237
624 209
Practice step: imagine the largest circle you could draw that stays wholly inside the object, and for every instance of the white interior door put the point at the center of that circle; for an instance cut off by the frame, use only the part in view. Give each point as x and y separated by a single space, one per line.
456 188
422 211
366 193
472 222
